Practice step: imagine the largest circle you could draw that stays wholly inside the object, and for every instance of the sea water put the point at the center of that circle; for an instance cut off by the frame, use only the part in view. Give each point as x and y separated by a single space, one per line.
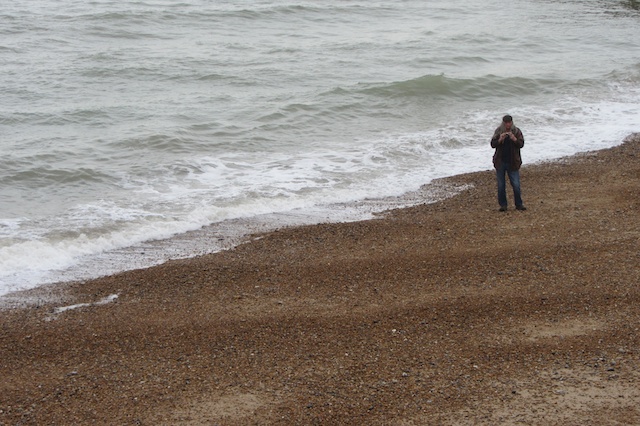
132 132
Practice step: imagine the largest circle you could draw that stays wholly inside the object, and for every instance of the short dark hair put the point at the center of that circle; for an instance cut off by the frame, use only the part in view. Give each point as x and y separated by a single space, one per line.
507 119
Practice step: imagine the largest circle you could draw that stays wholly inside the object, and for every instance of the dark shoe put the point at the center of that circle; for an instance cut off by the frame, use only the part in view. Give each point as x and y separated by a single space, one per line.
522 208
503 208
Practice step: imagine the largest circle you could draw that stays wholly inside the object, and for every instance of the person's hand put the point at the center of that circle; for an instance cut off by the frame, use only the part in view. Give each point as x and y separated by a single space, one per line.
510 135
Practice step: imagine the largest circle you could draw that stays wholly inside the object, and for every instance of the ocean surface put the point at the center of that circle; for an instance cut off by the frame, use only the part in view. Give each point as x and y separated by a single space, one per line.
133 132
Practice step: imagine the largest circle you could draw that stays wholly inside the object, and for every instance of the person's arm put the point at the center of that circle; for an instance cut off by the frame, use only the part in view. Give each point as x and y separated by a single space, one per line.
519 142
497 139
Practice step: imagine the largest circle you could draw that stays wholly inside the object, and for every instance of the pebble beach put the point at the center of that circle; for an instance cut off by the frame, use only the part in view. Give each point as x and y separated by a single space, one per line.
448 313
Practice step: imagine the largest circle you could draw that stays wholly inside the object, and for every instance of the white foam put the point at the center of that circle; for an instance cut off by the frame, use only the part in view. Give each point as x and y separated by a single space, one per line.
109 299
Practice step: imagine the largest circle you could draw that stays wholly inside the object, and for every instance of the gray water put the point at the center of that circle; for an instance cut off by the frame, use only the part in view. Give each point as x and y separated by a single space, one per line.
126 127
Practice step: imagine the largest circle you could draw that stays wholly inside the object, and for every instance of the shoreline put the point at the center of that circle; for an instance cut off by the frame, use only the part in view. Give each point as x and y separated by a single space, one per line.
221 236
441 313
217 237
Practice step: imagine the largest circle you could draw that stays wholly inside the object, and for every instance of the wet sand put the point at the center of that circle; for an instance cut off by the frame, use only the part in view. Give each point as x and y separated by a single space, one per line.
449 313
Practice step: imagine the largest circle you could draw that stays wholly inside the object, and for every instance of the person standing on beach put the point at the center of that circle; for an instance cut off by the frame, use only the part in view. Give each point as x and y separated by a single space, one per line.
507 141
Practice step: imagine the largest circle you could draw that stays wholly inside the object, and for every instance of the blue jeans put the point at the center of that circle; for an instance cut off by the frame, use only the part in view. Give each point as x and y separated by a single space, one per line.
514 178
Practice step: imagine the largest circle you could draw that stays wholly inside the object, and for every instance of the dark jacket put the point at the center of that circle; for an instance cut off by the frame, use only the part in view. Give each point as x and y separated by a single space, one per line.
516 159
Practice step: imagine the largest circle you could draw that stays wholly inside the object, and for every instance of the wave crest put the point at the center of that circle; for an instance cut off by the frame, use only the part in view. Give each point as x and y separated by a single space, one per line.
442 87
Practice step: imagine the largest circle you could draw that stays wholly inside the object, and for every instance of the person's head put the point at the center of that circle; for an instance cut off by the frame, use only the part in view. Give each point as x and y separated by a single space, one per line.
508 121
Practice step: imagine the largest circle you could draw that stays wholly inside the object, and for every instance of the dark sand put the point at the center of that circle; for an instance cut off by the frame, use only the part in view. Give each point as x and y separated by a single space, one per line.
444 314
